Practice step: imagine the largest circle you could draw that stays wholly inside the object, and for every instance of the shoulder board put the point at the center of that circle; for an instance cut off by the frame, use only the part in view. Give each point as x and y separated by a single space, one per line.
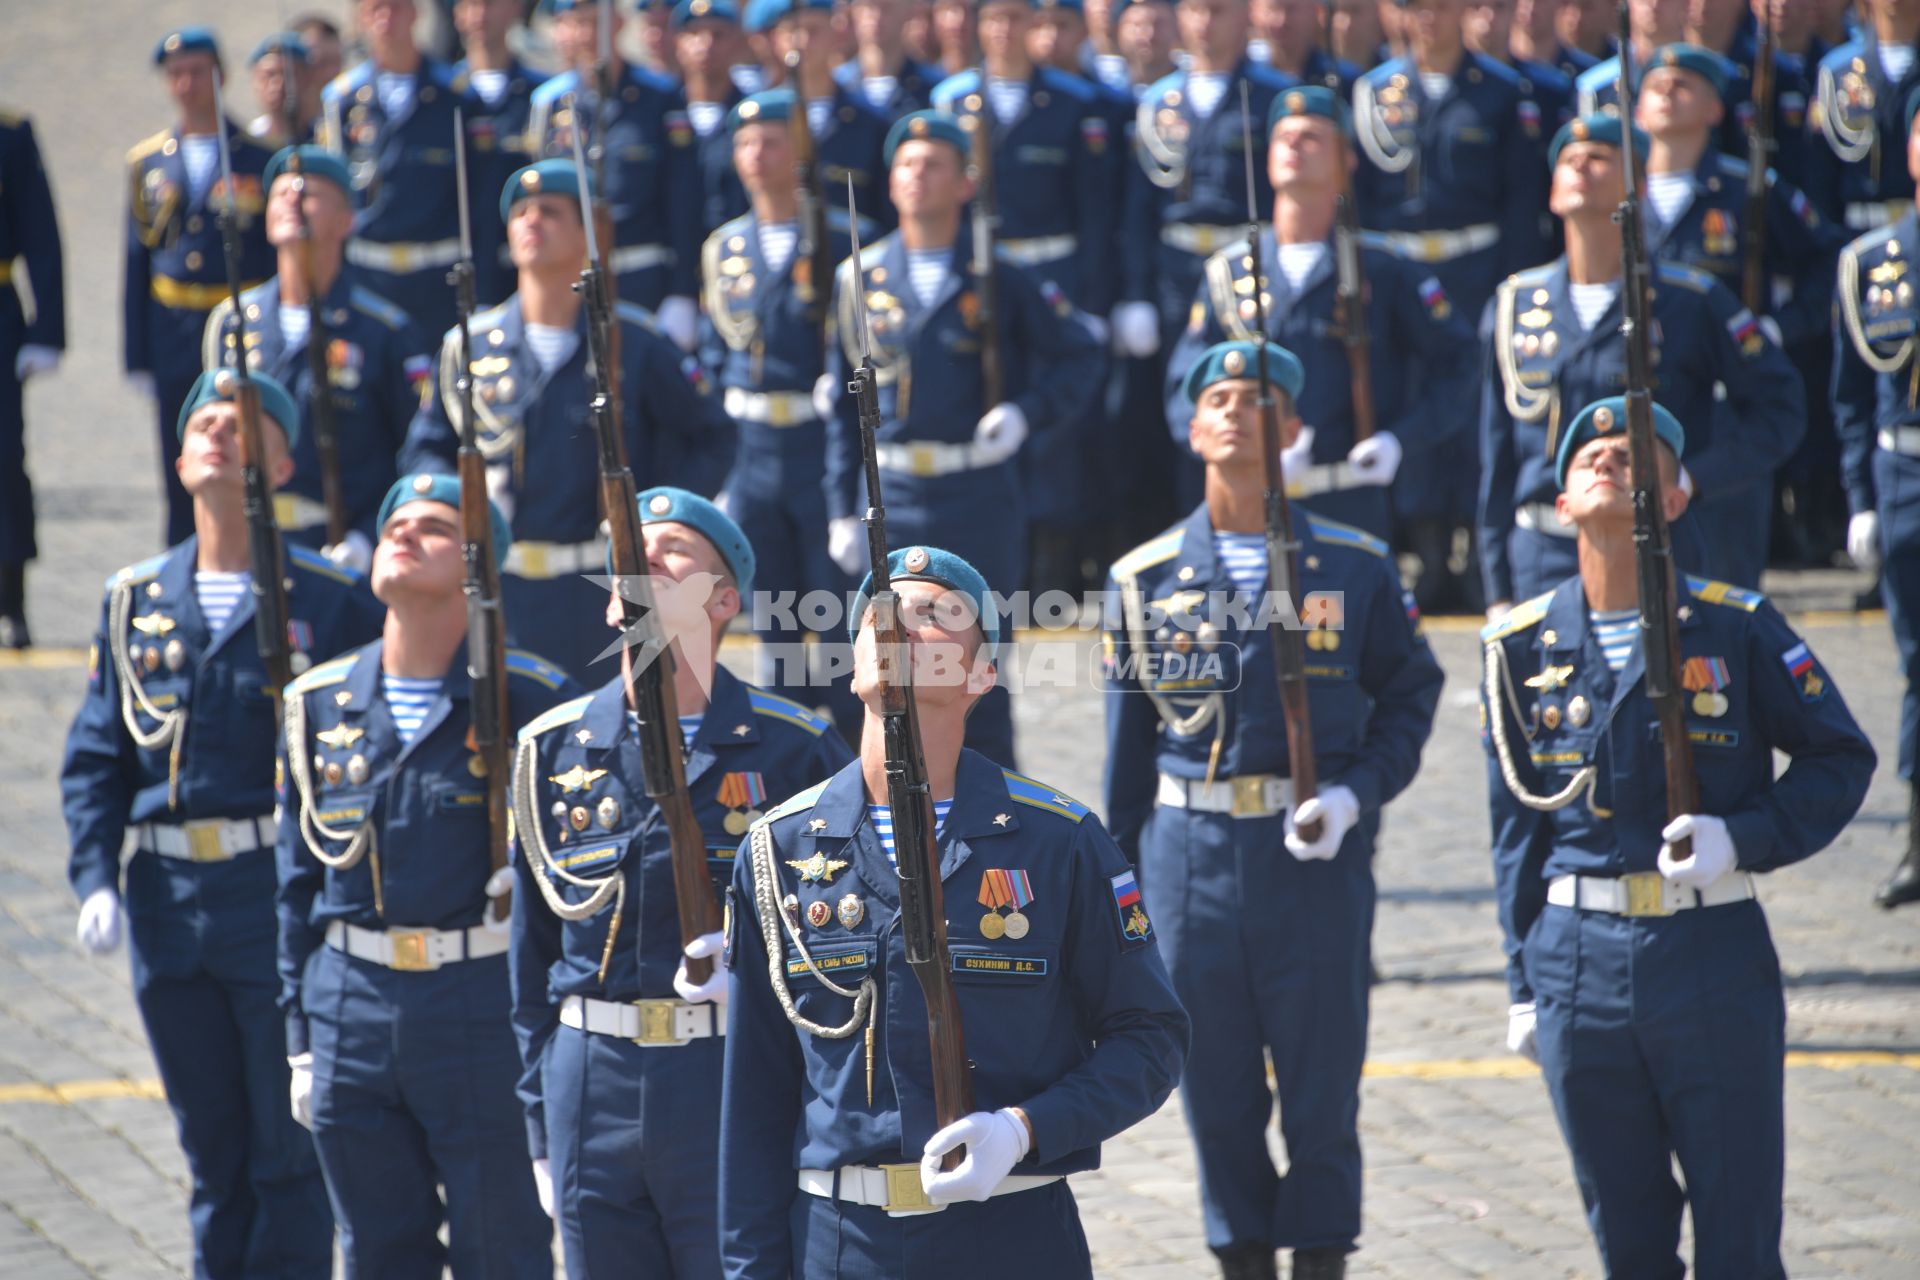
1840 57
1066 82
652 79
1148 554
1160 88
320 677
1519 618
1026 791
482 319
1546 75
139 572
347 81
1532 275
798 803
1386 70
1234 252
535 668
1599 75
1711 592
1494 69
367 301
441 74
636 315
1267 78
1345 535
955 85
557 87
779 708
554 717
733 227
1686 277
313 562
1872 240
147 146
1733 166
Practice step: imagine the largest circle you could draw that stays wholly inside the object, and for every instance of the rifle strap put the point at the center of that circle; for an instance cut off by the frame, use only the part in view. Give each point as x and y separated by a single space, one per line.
773 920
1500 699
529 829
170 729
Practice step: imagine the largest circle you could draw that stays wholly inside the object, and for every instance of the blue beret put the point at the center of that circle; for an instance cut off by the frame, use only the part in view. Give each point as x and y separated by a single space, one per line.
315 162
693 10
1310 100
1240 360
762 15
665 504
1076 6
1121 6
930 564
1707 64
219 384
287 42
543 178
186 40
1604 129
770 106
1605 417
929 126
441 487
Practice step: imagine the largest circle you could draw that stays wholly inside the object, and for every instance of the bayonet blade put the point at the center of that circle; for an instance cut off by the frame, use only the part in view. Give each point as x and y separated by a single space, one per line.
857 282
460 179
586 194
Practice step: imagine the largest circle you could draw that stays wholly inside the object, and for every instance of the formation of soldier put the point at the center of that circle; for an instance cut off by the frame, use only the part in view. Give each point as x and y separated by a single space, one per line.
1298 286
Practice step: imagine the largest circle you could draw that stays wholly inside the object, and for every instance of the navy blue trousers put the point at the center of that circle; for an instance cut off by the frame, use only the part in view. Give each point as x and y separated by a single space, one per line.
1033 1234
16 491
1896 482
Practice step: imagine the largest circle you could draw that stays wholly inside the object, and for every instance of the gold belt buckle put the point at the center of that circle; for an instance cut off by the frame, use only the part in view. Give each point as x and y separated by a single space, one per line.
920 460
533 560
656 1021
905 1194
409 950
403 255
1250 795
203 843
1430 246
1646 894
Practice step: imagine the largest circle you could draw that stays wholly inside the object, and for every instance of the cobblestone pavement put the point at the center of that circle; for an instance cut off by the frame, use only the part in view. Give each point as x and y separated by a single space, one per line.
1466 1172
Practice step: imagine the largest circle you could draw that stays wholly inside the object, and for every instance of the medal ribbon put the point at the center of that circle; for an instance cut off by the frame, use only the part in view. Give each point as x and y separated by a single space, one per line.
1021 889
996 888
733 791
756 789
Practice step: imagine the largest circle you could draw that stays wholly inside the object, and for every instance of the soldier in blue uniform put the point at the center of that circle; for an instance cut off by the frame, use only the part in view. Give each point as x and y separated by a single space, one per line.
849 135
281 74
1288 40
376 359
622 1079
1408 314
175 266
496 96
1730 28
393 941
650 166
1072 1029
706 36
391 119
29 345
171 747
1653 24
1552 340
882 71
1860 94
531 392
1534 36
1199 792
1644 982
945 455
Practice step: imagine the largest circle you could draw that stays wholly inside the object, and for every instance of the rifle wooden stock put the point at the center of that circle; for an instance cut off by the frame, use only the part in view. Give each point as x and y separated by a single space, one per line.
986 222
1350 315
813 258
1753 265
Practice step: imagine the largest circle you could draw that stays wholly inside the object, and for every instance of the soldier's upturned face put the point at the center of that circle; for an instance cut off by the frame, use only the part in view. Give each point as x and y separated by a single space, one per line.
327 211
927 180
1676 101
1003 28
419 553
1225 430
1588 177
210 452
946 643
704 45
1600 482
1303 154
545 231
189 78
763 156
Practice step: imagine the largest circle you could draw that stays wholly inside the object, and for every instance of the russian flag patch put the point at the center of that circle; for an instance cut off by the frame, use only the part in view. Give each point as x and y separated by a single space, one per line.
1798 659
1134 925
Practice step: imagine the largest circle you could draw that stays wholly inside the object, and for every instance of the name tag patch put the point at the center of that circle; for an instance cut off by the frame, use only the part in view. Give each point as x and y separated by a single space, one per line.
1002 966
833 962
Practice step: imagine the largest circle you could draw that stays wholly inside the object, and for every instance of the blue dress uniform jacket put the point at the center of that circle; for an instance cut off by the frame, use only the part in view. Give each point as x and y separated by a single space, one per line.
1408 314
377 366
407 231
1654 1027
1542 368
497 148
185 747
852 144
176 273
652 172
1792 94
414 1063
1075 1022
633 1129
30 233
913 86
543 463
1855 157
722 196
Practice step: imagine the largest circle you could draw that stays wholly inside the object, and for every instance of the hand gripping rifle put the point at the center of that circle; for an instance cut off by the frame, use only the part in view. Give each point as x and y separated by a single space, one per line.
1760 146
649 672
923 916
986 230
813 260
263 536
1652 545
1283 571
486 624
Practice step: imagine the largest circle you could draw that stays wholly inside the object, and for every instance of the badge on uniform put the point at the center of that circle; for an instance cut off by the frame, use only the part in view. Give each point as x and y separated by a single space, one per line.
1705 678
1134 925
577 779
344 362
1800 665
1001 887
1717 229
1550 678
743 794
851 910
819 913
819 869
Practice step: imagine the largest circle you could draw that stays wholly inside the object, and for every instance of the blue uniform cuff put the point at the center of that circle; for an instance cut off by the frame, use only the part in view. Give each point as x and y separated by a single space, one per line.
297 1042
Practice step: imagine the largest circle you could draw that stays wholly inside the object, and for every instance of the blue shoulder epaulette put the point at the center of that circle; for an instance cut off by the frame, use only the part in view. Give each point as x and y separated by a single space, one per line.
1345 535
139 572
1519 618
1156 550
370 303
553 717
535 668
1711 592
1025 790
1686 277
557 87
779 708
347 81
796 803
1159 89
330 672
953 86
1066 82
147 146
313 562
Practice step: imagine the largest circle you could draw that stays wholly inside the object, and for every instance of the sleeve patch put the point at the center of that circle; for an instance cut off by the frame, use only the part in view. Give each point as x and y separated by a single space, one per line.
1135 928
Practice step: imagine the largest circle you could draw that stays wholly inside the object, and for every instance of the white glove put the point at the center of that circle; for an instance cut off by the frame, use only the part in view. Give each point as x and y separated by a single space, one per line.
1712 850
1771 327
1863 540
499 885
1297 457
680 320
1520 1028
35 359
1376 460
1336 809
1000 433
351 552
300 1089
141 384
995 1140
708 946
843 542
826 393
1136 330
1685 482
1499 609
99 928
543 1184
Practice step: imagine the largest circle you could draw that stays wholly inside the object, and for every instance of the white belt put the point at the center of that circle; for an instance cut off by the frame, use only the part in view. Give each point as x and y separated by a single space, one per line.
1865 215
415 950
209 839
1199 237
645 1022
770 408
540 560
1900 439
1252 795
1036 250
1323 477
933 458
1540 517
896 1187
401 258
1443 246
1645 893
638 257
293 511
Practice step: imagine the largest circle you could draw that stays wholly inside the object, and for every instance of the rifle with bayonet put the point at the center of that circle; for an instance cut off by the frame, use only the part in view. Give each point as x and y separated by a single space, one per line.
1350 304
648 674
486 623
1283 568
263 536
986 230
1652 544
923 919
813 259
1760 145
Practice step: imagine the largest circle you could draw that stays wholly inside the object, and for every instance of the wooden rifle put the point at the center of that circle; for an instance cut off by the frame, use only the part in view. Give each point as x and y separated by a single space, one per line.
986 230
813 259
1760 146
